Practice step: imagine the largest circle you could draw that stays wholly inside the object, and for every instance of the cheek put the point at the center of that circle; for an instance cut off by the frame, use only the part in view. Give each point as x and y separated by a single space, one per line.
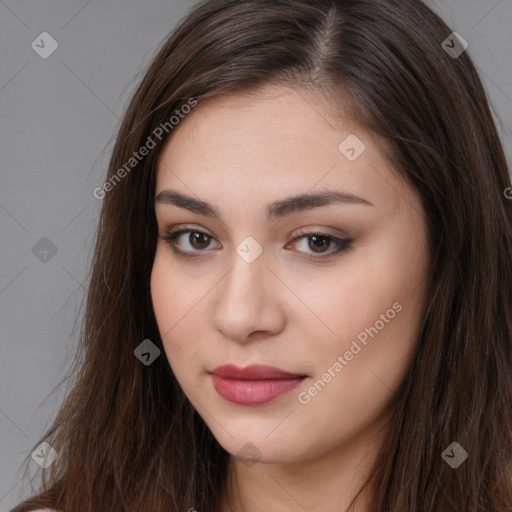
178 313
351 300
164 297
175 294
375 354
373 312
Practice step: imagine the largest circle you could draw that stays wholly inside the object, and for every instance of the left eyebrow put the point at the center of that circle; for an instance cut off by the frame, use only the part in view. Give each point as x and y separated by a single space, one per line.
277 209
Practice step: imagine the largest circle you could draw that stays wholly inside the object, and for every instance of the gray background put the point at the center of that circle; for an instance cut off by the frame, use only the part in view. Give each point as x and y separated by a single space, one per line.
57 119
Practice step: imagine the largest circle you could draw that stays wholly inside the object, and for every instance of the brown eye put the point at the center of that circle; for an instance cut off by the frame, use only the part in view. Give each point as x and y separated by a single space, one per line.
189 242
194 243
199 240
318 242
317 245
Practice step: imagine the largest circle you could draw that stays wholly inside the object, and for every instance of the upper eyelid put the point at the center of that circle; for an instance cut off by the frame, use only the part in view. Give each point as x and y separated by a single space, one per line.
303 233
341 245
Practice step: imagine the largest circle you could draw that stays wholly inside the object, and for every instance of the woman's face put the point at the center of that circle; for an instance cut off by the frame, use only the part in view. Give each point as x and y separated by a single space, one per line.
263 281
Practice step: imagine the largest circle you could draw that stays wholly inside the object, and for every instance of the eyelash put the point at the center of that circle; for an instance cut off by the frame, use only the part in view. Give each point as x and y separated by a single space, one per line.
341 243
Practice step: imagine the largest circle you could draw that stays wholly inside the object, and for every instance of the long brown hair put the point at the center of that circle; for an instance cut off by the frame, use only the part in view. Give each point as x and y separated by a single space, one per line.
127 437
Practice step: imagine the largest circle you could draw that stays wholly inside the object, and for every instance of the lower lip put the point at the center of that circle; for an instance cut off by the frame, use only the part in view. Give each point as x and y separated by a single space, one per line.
253 392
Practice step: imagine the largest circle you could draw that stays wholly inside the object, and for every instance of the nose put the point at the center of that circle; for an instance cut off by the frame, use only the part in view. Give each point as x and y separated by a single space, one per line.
248 302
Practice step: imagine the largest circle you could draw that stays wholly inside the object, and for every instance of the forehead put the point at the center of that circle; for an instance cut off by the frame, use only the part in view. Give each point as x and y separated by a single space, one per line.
278 139
272 121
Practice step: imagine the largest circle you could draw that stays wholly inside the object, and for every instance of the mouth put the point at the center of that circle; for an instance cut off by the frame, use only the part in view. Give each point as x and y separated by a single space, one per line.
253 385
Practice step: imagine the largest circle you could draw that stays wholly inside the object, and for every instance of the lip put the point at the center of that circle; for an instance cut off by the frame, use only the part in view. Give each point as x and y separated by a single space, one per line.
253 372
254 384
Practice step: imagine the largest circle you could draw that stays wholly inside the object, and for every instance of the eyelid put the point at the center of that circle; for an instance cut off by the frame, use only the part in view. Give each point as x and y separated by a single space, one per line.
315 230
342 244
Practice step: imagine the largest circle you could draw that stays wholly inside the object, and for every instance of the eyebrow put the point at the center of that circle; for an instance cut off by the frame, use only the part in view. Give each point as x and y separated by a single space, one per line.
277 209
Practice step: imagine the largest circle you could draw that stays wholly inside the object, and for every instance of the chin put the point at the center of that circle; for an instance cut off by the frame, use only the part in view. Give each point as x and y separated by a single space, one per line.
250 449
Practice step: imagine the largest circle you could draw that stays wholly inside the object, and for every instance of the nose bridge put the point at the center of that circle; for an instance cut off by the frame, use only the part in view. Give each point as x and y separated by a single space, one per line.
246 302
247 274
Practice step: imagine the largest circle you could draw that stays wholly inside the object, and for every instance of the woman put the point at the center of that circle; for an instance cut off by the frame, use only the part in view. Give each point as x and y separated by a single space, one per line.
301 291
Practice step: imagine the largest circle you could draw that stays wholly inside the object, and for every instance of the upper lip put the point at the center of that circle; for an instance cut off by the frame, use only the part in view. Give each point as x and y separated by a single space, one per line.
253 372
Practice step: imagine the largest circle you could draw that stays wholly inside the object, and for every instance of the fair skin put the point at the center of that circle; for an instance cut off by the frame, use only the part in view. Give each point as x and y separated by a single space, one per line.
240 153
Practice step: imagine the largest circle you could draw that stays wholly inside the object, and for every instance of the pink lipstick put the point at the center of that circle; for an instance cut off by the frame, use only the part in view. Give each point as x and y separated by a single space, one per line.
254 384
